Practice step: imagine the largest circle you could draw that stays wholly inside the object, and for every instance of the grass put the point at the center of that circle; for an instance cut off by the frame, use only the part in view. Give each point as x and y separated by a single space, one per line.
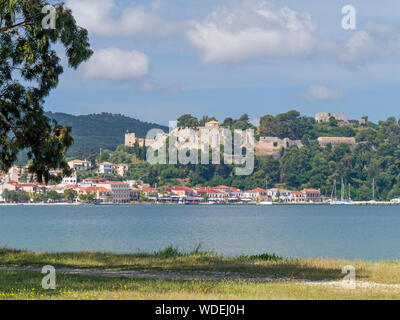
27 284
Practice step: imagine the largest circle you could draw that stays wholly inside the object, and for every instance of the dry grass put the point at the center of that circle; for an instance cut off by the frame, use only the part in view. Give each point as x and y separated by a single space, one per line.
23 285
171 259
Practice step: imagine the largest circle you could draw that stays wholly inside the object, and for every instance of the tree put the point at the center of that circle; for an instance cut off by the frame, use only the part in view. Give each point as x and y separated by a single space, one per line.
15 196
29 70
228 122
70 194
54 195
90 197
206 119
188 121
286 125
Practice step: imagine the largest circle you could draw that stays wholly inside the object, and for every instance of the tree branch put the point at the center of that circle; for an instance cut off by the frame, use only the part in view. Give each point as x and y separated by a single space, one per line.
3 29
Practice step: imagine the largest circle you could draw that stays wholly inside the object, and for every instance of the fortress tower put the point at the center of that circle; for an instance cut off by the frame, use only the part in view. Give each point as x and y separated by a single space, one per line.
130 139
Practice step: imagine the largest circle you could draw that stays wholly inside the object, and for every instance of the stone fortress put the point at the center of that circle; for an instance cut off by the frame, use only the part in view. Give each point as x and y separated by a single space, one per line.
340 118
266 146
325 117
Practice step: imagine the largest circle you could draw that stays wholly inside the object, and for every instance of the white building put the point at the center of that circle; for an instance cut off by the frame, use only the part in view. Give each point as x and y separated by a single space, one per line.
70 181
79 165
121 169
120 191
106 168
279 194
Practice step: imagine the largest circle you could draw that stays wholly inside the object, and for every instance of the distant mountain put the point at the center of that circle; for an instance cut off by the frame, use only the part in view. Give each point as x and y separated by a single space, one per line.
104 130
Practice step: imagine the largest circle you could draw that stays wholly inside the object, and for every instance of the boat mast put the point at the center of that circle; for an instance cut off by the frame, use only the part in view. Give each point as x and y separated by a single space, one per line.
373 188
333 192
349 192
342 191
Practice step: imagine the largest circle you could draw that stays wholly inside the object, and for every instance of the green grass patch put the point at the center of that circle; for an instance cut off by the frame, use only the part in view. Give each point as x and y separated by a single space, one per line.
171 258
26 285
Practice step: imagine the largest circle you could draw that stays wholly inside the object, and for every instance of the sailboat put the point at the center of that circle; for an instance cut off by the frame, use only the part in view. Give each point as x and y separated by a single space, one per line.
373 200
342 201
266 202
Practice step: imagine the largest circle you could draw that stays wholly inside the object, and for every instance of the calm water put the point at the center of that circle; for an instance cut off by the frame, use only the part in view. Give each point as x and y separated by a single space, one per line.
353 232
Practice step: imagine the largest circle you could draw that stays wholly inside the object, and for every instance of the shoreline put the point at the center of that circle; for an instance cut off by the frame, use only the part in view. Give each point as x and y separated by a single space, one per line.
358 203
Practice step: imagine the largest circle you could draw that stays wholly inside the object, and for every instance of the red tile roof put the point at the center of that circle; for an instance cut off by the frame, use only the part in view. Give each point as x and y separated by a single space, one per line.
259 190
296 192
94 189
179 188
148 189
213 191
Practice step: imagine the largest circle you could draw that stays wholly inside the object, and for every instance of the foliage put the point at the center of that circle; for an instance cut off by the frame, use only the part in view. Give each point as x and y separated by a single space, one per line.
286 125
90 197
376 156
70 194
29 70
188 121
105 130
15 196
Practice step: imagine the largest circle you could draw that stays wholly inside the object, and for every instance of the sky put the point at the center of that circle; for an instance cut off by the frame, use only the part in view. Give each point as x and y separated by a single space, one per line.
156 60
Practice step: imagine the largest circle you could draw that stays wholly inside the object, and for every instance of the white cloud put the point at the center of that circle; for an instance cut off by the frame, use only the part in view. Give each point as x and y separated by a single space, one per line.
373 43
319 92
116 64
93 15
106 18
252 29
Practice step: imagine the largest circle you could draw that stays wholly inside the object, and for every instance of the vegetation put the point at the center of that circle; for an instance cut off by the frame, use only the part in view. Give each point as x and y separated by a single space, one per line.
25 284
94 131
189 121
29 70
376 156
286 125
88 198
43 196
16 196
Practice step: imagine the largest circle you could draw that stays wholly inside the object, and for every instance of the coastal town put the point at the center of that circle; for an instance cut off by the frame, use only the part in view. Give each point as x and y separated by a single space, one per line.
104 182
105 191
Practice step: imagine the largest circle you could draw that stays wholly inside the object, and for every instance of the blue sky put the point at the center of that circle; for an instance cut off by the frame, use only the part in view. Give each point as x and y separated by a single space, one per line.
155 60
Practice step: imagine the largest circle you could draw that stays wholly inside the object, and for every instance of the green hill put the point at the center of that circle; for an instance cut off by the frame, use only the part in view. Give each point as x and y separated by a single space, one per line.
104 130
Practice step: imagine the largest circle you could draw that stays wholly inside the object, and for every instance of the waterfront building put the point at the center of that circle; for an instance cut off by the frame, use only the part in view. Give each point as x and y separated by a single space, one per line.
135 193
215 195
181 191
236 193
120 191
297 197
256 194
225 190
101 193
276 194
312 195
150 193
